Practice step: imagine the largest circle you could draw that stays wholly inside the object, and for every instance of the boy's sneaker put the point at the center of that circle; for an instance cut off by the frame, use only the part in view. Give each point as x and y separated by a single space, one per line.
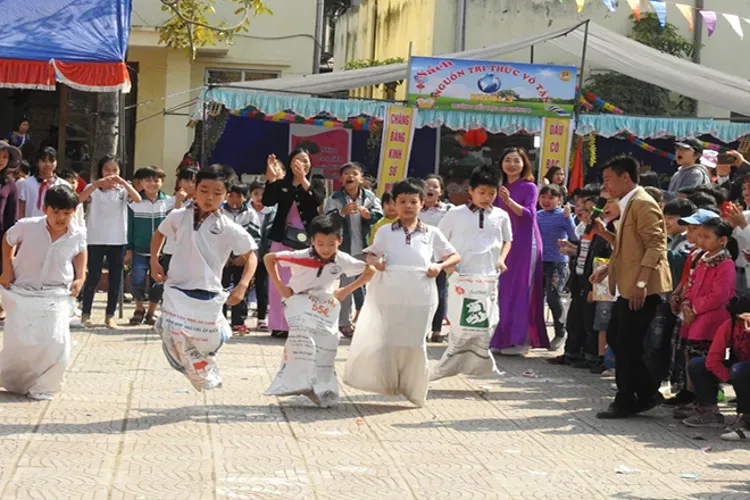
557 342
137 318
682 398
559 360
86 320
437 338
597 367
581 364
705 419
41 396
240 329
262 325
149 319
684 411
109 322
738 431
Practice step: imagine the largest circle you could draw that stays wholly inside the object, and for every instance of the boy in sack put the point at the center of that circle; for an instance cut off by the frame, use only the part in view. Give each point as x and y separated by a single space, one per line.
192 325
389 351
49 268
312 305
482 235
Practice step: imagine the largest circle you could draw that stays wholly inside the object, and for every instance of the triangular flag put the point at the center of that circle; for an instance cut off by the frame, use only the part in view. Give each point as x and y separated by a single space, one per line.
710 17
576 175
660 7
580 4
635 6
687 11
734 21
610 4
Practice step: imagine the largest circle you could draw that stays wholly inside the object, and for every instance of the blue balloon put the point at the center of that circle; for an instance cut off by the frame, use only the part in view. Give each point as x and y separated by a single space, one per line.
489 83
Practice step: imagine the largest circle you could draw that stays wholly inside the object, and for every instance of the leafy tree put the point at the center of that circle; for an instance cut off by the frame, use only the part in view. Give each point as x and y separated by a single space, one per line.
194 23
640 98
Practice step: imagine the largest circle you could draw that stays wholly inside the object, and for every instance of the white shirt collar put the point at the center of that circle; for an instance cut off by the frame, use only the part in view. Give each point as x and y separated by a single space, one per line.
624 201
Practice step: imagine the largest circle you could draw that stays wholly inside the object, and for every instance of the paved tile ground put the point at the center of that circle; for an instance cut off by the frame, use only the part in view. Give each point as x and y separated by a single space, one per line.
129 427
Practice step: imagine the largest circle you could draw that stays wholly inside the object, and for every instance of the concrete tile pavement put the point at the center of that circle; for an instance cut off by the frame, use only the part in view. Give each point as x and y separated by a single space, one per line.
127 427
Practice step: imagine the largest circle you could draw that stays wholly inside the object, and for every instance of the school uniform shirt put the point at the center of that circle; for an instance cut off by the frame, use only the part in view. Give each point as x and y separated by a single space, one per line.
419 248
478 236
40 262
32 192
202 248
311 272
168 248
433 215
107 221
743 241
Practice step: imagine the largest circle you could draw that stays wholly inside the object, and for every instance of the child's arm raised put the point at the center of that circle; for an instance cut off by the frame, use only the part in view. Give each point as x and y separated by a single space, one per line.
9 252
341 293
240 289
133 194
157 272
273 273
79 266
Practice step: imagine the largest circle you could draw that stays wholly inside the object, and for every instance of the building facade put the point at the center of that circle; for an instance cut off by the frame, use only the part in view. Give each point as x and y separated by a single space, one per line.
167 80
381 29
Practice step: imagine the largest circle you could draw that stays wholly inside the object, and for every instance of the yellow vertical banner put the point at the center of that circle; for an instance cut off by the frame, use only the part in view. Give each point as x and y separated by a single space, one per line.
398 135
555 145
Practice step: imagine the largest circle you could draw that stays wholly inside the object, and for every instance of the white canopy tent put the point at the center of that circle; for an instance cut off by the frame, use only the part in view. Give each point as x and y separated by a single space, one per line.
604 47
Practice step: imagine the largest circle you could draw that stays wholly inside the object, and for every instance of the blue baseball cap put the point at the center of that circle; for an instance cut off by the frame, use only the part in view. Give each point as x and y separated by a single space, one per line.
698 218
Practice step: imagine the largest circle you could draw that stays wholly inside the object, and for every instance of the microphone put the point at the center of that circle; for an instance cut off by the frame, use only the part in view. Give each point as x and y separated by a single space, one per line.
596 212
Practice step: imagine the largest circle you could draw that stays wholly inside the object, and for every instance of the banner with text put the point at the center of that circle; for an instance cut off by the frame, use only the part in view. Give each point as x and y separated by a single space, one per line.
556 140
329 148
398 135
491 86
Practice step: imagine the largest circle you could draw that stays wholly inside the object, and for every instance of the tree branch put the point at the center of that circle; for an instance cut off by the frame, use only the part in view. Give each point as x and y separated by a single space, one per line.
173 7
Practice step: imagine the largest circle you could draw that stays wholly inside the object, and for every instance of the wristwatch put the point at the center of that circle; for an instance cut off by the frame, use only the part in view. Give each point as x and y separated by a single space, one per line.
641 285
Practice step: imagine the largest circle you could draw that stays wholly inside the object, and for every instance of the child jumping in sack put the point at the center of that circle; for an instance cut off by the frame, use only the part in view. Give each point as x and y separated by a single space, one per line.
388 354
50 266
312 305
192 325
482 235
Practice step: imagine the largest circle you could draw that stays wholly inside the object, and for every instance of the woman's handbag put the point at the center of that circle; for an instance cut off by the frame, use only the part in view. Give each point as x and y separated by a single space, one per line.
296 238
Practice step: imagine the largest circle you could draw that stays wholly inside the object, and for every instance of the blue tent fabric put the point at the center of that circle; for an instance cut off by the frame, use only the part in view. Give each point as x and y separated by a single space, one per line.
65 30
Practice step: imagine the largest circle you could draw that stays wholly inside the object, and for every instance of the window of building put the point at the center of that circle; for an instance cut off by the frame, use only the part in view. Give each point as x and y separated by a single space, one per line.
217 76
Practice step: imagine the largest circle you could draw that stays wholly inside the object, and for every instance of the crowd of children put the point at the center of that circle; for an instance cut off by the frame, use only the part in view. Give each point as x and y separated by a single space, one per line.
216 234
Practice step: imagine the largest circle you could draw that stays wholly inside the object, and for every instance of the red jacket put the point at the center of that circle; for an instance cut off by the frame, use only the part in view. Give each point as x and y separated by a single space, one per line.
739 340
709 289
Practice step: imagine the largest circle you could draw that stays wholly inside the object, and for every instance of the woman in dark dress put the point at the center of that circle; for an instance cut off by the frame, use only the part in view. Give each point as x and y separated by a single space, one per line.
297 198
10 158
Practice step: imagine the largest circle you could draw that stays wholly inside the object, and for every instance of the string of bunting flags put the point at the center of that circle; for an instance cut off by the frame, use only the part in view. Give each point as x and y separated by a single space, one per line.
659 7
362 122
591 99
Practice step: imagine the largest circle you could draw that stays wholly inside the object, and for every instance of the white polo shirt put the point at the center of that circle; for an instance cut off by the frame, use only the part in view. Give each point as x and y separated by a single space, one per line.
311 273
433 215
478 235
40 262
419 248
28 192
199 255
107 221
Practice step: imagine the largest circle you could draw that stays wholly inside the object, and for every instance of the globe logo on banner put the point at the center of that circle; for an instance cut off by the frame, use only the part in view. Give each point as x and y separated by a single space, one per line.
489 84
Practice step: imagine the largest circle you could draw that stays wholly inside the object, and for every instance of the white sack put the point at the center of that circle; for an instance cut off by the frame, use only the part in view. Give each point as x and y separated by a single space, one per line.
388 354
474 315
192 331
36 343
310 350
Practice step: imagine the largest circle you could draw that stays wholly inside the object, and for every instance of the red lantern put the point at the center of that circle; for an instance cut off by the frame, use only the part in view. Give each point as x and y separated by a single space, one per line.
475 137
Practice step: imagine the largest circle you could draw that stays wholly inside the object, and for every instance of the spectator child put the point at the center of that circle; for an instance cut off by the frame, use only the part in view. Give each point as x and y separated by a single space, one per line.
554 225
107 235
31 191
678 246
237 211
739 219
69 176
53 256
389 213
583 210
144 218
357 209
701 199
184 195
432 213
260 225
690 172
656 194
709 288
23 171
708 372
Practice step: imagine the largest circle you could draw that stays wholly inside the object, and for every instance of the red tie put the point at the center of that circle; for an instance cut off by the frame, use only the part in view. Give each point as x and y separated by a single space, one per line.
43 186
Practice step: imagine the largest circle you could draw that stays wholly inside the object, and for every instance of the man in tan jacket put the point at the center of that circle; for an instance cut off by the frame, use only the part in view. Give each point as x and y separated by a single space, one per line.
639 271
